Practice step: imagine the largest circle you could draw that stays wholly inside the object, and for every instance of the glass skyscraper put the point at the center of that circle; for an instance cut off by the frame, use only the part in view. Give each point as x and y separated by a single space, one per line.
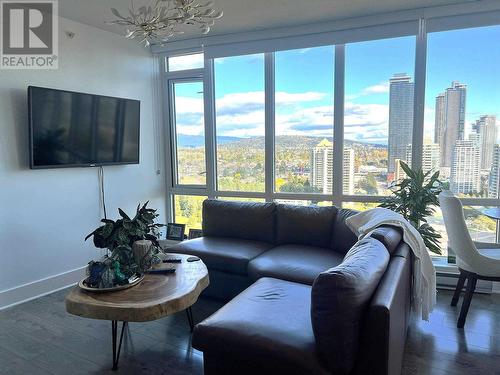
454 121
400 118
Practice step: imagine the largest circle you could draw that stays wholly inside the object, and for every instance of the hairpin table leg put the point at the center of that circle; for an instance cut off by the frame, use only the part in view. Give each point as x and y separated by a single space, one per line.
189 313
117 350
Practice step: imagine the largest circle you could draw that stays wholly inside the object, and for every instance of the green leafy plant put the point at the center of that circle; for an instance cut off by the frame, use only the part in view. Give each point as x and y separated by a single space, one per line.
118 236
415 197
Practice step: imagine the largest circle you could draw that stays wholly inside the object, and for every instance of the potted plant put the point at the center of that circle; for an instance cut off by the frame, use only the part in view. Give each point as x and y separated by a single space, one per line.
119 237
415 197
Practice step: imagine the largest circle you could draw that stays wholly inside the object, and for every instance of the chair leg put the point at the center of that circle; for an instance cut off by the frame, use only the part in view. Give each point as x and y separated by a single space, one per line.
458 290
471 286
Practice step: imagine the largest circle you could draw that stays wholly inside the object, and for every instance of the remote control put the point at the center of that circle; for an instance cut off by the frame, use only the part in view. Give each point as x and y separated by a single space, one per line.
163 271
172 260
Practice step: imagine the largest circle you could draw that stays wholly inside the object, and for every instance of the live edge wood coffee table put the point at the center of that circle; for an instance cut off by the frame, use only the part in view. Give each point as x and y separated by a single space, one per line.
155 297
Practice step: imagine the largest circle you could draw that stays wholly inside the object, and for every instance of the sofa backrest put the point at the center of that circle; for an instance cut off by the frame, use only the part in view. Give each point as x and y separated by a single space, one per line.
342 237
245 220
339 298
304 225
288 224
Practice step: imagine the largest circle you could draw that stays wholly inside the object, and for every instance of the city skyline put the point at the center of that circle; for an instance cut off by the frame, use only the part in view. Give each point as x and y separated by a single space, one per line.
461 155
465 161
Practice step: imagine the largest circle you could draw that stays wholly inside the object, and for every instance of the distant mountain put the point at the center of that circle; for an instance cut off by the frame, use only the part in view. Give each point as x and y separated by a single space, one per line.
198 140
288 141
294 141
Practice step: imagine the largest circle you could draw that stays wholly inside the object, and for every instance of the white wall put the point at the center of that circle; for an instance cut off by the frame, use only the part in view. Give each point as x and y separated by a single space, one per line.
45 214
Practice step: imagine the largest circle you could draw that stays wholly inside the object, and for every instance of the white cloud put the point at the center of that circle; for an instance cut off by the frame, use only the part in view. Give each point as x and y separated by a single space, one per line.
306 121
285 98
257 98
379 88
366 122
191 130
184 105
242 115
365 114
185 62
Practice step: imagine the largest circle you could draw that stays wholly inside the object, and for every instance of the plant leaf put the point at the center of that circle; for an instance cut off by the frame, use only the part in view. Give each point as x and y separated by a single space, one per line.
123 214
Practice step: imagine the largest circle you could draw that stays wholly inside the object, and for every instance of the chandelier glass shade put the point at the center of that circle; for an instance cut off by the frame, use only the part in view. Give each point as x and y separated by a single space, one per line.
158 23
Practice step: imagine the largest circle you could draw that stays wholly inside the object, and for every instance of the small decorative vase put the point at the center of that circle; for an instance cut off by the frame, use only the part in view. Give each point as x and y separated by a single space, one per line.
142 254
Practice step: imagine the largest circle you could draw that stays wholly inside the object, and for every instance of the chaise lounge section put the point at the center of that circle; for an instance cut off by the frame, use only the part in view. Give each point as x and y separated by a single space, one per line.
308 298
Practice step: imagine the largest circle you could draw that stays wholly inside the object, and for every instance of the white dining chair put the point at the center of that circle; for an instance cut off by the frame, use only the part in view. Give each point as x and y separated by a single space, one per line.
475 260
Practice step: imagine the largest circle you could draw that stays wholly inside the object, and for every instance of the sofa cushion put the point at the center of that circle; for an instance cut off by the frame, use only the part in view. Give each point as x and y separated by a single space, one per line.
305 225
298 263
223 254
340 297
342 238
390 236
269 323
245 220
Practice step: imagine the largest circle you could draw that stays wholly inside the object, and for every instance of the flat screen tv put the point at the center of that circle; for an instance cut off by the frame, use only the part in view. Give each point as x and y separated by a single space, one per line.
71 129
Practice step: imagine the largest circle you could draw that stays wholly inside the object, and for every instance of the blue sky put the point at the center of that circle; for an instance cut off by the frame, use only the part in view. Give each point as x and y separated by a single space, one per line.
304 85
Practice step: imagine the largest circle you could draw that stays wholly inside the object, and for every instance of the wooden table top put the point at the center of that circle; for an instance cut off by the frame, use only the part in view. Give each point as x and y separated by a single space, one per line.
156 296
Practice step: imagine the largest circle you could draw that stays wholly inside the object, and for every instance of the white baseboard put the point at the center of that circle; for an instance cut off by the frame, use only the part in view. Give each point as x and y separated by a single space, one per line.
39 288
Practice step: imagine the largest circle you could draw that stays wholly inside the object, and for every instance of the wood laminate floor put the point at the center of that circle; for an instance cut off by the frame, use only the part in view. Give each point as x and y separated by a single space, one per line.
39 337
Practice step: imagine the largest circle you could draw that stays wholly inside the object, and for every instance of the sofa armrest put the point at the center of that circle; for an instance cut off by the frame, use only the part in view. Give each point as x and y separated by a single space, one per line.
386 320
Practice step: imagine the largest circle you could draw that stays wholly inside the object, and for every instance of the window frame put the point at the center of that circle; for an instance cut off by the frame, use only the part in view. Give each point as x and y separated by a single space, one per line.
271 124
173 133
210 72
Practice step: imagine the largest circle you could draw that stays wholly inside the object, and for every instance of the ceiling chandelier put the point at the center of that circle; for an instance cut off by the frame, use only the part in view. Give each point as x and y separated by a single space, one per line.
158 23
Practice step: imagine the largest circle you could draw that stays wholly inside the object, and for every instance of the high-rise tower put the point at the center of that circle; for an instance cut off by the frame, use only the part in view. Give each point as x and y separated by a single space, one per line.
454 121
439 118
322 168
486 128
465 175
400 118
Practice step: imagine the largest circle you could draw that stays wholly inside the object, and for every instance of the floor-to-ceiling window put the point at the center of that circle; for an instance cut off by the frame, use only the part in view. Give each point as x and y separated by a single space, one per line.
378 113
189 132
188 177
239 123
303 84
462 104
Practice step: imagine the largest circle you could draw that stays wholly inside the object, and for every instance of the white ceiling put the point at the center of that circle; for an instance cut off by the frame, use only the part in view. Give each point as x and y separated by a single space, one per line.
246 15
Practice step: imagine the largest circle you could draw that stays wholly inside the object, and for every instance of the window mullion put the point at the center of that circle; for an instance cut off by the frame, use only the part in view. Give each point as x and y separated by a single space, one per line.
338 124
419 96
168 134
210 137
269 125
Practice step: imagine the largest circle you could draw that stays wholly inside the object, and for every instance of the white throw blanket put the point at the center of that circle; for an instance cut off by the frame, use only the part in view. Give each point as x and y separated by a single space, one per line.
424 274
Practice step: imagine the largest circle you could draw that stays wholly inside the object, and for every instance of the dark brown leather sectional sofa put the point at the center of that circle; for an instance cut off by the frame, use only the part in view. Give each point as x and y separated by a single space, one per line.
307 299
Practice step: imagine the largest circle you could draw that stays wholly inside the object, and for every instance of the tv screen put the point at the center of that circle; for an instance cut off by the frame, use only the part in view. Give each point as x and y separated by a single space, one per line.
70 129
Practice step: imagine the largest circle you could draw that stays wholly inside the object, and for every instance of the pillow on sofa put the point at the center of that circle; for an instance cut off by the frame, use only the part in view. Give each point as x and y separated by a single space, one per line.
304 225
245 220
343 238
339 298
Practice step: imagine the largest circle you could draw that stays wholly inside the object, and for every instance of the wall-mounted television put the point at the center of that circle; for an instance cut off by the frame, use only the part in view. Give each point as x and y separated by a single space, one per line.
72 129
